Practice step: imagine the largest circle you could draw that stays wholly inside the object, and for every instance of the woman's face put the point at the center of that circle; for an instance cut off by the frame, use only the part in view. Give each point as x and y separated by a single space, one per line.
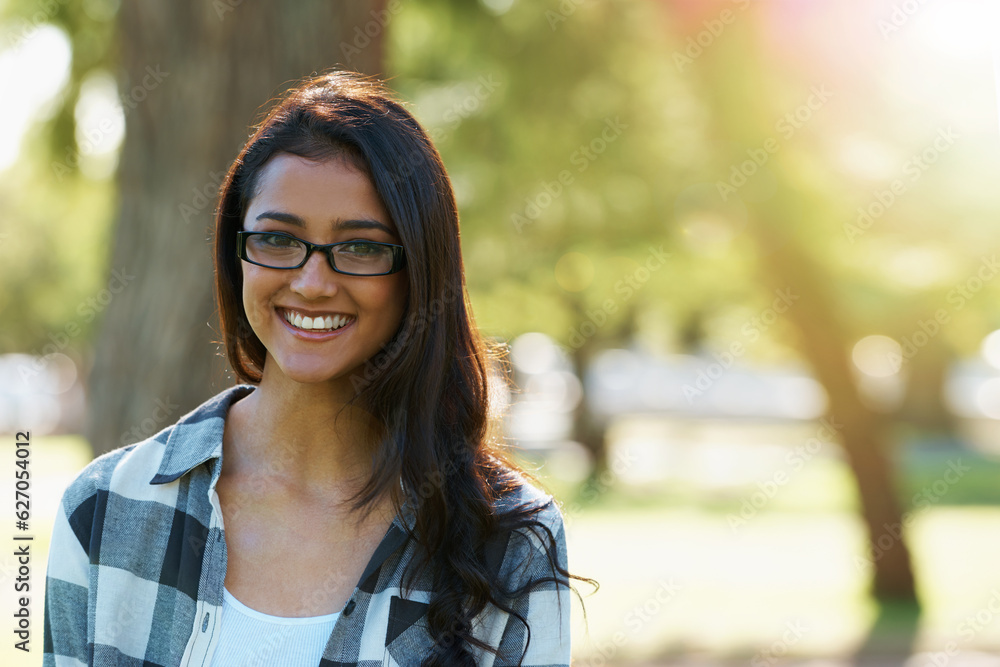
321 202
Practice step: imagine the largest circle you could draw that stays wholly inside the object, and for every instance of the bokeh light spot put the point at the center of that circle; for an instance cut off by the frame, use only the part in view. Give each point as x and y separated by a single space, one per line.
877 356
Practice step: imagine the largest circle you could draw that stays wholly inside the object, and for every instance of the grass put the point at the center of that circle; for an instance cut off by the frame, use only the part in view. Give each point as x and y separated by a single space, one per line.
747 576
739 590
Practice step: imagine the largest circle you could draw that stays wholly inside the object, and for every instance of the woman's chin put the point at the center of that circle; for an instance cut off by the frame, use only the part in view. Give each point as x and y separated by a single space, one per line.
305 373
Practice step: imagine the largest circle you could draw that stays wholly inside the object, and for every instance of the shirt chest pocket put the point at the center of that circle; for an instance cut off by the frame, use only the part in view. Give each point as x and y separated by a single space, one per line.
407 641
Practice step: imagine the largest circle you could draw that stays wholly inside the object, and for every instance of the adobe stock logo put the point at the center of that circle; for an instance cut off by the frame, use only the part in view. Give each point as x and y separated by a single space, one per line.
697 44
95 135
752 329
581 158
149 425
899 17
787 126
363 36
929 495
795 460
627 287
88 309
913 169
635 620
203 196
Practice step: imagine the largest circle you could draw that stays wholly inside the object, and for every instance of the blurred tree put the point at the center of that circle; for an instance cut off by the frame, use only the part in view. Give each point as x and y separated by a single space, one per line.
740 88
217 63
559 235
559 169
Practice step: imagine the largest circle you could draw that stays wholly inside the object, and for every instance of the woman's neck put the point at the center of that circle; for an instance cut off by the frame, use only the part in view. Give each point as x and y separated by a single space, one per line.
299 438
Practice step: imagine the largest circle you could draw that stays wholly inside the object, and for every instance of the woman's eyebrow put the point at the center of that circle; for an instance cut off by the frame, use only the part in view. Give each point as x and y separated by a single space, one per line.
353 224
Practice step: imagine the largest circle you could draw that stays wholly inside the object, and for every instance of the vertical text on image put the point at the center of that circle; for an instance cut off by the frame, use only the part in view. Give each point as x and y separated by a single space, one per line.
22 514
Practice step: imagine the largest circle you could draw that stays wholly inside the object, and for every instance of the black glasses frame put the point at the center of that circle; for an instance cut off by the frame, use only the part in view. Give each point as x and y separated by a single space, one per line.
398 256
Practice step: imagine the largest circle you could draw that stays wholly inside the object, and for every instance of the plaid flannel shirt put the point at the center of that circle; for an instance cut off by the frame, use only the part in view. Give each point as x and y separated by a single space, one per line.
138 560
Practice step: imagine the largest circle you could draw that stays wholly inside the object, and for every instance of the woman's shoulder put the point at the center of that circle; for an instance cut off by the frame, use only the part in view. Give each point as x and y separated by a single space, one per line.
131 469
537 536
517 491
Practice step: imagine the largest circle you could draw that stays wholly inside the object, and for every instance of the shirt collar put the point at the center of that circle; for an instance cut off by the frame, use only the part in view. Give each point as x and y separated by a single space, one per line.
197 436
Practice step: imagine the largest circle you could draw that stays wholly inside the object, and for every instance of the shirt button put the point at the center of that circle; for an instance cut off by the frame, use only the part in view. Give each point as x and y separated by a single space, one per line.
349 607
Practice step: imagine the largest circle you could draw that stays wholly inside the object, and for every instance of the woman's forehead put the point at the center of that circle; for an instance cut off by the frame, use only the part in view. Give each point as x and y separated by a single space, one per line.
317 191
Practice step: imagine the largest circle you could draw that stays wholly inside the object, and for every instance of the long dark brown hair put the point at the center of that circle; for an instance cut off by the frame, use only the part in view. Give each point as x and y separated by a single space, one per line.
428 386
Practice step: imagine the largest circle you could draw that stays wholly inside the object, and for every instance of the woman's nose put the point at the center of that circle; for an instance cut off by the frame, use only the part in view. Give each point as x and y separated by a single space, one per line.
315 278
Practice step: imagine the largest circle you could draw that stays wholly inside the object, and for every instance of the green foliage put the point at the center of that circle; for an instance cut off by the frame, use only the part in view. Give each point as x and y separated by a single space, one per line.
561 69
53 253
553 129
55 223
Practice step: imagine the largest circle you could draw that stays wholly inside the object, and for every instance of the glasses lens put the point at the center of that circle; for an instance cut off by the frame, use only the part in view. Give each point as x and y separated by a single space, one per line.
363 258
274 250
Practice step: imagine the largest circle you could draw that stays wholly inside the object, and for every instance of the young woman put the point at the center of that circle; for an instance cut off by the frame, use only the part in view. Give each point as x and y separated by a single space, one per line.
349 503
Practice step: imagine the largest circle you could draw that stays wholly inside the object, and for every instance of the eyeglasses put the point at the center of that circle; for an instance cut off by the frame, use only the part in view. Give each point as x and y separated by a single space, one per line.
278 250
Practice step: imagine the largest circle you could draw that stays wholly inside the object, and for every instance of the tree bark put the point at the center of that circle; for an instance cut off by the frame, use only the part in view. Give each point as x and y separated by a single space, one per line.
194 76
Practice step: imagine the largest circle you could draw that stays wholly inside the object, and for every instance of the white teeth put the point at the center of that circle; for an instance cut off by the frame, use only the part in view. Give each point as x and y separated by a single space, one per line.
317 323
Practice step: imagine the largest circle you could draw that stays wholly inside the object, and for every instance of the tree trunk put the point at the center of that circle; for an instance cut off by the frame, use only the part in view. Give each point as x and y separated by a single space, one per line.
863 432
589 428
194 76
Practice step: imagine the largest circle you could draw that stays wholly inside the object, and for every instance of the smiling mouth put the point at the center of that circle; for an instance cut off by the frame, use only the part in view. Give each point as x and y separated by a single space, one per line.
316 323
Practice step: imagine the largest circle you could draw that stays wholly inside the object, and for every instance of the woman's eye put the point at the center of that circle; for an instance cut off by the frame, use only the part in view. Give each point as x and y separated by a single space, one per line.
277 240
361 248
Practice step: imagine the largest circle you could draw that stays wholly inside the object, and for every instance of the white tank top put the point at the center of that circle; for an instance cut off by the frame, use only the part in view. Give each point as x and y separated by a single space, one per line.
250 638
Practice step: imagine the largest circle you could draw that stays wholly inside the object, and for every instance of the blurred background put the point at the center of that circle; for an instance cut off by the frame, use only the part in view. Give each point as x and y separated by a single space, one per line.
743 254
